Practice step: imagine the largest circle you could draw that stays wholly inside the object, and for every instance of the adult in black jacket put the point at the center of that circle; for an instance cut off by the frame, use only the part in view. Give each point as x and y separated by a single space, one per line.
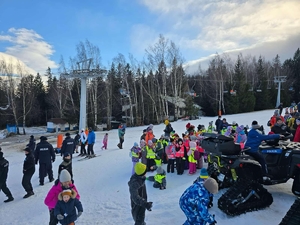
218 123
31 143
168 129
68 145
3 177
138 194
28 171
280 127
44 154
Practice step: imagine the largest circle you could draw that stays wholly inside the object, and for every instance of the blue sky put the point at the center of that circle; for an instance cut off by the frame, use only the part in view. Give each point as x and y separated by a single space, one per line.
39 32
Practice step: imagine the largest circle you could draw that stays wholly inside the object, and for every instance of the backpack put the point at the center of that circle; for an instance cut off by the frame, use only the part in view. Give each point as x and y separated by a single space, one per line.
197 155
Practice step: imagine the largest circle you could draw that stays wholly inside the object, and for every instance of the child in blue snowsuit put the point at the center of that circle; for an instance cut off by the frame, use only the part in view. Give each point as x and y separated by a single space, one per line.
195 200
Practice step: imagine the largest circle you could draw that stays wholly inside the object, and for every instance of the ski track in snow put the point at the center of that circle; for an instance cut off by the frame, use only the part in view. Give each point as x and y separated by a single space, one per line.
102 184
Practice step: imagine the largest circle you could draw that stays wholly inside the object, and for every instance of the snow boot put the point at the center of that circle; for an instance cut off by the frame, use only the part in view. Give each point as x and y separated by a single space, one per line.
119 145
30 193
10 199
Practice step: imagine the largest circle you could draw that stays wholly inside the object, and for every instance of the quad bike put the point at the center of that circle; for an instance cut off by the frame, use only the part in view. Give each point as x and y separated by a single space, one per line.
292 217
233 168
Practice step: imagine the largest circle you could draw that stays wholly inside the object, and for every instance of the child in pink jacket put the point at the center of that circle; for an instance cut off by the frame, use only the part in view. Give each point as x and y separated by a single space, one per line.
64 182
105 140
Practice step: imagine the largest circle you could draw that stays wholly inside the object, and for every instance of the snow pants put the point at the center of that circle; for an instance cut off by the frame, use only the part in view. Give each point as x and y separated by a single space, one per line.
192 168
138 214
170 166
82 149
91 149
45 168
192 218
180 165
26 181
5 189
53 219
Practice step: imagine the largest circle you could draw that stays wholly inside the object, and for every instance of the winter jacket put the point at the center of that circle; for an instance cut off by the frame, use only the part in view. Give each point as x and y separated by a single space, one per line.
77 139
255 139
121 132
105 139
66 165
137 190
31 144
4 164
149 136
135 153
29 164
194 203
168 130
68 209
68 146
83 137
273 119
297 134
91 137
52 196
280 129
44 153
217 123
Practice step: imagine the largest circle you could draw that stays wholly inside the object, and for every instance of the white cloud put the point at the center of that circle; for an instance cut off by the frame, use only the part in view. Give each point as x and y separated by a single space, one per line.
142 35
30 48
229 25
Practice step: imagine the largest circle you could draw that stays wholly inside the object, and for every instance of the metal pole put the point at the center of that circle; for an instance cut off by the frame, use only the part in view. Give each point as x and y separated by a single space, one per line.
82 116
278 94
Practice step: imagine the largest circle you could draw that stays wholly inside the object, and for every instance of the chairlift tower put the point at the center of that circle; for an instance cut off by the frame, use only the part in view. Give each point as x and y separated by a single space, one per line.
83 72
279 80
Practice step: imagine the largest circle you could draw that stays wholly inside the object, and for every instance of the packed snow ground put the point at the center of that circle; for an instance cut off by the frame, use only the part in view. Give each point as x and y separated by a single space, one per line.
102 184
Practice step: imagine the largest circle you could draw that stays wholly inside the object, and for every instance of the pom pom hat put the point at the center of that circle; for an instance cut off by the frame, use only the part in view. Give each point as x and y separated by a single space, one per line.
140 169
203 173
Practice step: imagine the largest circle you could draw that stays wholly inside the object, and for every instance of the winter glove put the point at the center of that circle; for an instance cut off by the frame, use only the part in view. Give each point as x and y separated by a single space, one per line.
79 214
215 222
210 204
149 206
60 217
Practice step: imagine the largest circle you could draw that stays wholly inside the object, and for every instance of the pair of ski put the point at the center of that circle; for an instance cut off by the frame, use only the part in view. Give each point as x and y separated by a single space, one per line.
86 158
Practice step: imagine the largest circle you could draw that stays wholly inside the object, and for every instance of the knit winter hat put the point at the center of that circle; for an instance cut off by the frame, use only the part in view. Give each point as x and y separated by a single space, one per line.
297 121
211 185
188 126
27 149
160 170
135 144
167 122
66 154
66 192
203 173
64 176
254 122
140 169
